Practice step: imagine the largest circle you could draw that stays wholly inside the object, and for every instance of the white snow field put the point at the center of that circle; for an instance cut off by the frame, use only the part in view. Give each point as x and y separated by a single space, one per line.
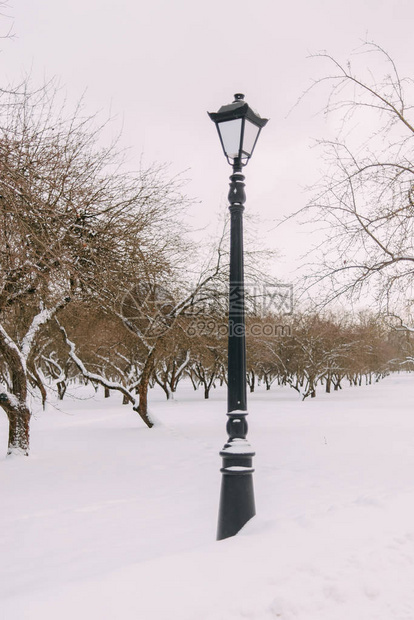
108 520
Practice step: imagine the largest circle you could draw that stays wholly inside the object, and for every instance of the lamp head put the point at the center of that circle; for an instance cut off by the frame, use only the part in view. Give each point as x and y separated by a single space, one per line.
238 127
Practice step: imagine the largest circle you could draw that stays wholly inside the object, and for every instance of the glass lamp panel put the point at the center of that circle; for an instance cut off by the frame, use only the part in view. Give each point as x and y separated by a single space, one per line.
251 131
230 132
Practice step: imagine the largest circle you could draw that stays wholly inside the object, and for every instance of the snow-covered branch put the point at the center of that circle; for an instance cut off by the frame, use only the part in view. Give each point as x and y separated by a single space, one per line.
93 376
40 319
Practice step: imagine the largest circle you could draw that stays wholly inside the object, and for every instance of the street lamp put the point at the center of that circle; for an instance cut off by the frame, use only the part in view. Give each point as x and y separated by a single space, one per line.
238 128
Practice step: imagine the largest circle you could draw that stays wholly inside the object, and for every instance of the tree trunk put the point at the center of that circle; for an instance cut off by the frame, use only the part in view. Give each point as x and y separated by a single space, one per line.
251 380
39 384
14 404
61 387
164 386
107 392
143 389
143 401
19 425
19 431
195 386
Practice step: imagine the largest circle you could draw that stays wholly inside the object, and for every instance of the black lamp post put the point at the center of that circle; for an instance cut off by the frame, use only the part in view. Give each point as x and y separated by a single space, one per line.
239 128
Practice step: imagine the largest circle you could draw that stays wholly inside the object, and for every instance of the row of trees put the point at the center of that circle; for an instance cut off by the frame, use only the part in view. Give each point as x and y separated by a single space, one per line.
303 351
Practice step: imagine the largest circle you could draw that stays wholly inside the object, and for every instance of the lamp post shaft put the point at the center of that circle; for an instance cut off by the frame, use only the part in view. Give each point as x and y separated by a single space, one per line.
237 503
236 393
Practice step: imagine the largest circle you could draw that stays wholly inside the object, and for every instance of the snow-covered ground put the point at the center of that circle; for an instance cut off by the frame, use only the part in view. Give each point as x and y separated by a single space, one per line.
109 520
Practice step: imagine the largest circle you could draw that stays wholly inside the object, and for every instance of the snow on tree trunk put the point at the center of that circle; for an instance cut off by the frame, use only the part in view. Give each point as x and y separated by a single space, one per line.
14 403
19 431
19 424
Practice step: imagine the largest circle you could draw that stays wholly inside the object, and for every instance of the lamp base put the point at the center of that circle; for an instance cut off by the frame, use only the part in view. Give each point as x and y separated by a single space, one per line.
237 505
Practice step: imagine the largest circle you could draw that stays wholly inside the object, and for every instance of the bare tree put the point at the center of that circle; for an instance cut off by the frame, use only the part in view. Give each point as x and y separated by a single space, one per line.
365 200
74 226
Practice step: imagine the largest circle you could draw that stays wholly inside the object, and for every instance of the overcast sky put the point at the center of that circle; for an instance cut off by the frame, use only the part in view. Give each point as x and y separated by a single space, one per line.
159 65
